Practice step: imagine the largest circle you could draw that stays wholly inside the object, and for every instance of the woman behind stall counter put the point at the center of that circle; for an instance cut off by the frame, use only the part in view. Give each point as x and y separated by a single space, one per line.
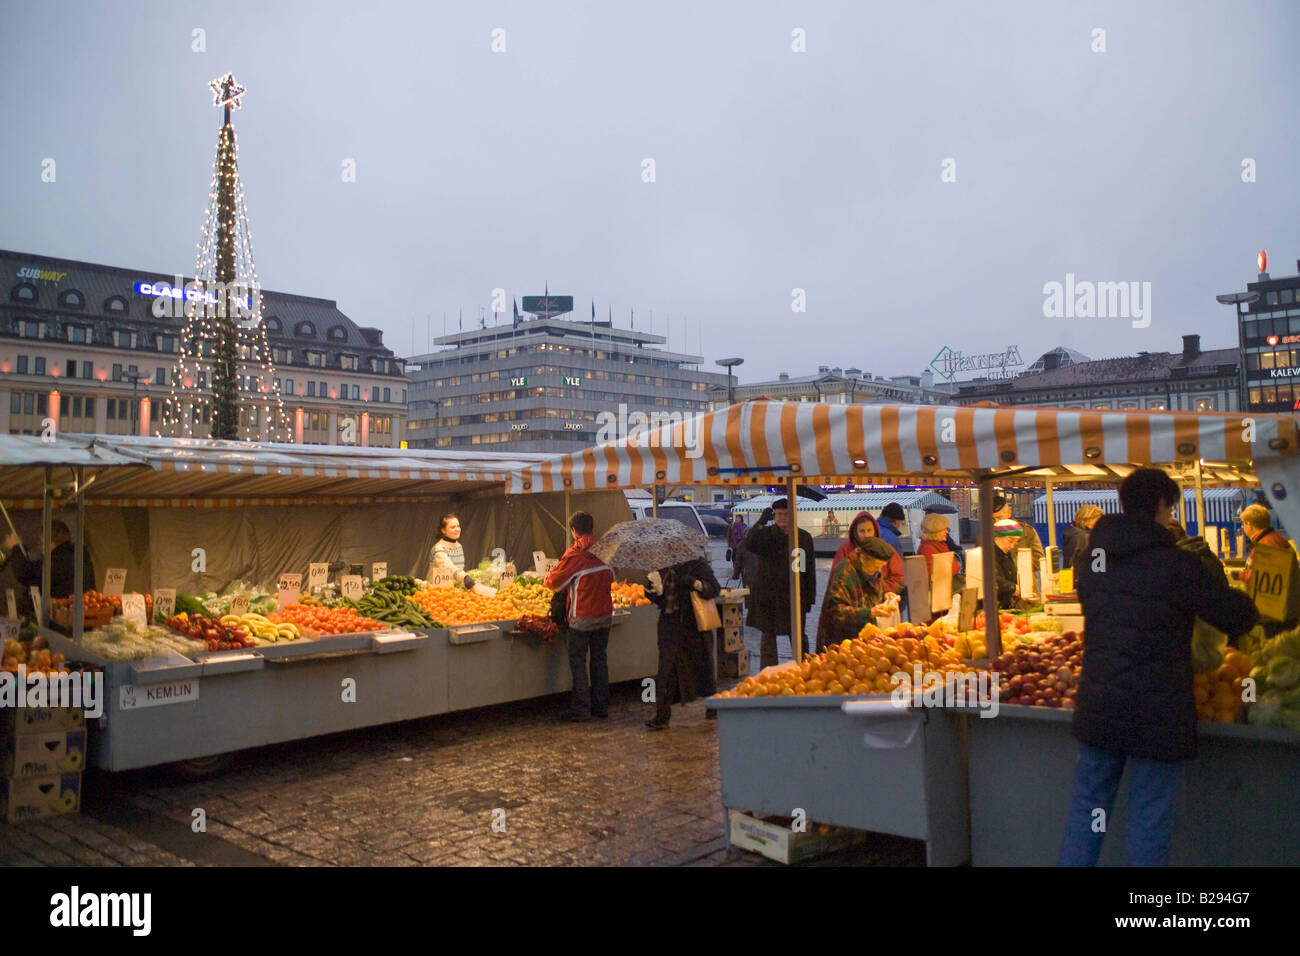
448 553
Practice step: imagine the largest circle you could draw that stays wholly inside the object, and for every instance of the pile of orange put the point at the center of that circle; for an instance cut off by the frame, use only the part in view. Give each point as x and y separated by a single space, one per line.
313 620
1218 692
628 594
449 606
864 665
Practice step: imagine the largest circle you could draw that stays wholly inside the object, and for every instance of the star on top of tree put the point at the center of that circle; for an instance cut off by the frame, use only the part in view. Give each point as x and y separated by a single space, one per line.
226 92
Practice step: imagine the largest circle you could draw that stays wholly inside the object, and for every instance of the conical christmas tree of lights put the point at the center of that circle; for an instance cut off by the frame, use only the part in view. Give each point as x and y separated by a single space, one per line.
224 342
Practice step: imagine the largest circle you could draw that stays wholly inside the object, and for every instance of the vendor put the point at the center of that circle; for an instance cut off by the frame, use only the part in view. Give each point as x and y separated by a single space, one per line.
448 553
27 571
1006 540
855 594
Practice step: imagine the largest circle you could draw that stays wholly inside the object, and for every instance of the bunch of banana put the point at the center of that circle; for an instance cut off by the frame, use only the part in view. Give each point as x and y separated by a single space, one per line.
263 629
393 608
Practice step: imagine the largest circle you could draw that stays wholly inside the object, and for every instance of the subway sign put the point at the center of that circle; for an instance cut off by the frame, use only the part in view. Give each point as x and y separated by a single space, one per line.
163 290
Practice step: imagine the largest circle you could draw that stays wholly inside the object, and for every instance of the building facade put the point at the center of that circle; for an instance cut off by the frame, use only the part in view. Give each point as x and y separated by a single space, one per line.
549 385
1269 337
95 346
850 386
1190 380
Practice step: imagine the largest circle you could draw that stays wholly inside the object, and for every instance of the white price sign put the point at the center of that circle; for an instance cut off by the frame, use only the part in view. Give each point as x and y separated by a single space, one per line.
318 576
8 628
351 585
548 565
378 571
288 590
12 601
133 609
114 580
538 558
507 579
440 578
36 602
239 605
164 602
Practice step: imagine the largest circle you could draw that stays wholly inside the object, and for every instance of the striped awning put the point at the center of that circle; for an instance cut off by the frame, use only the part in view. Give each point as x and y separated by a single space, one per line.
194 472
1222 505
762 443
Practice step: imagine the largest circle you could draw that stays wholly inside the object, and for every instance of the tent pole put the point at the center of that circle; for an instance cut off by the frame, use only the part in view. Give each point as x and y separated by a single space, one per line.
78 558
1051 517
1200 500
992 623
796 600
568 512
654 501
46 530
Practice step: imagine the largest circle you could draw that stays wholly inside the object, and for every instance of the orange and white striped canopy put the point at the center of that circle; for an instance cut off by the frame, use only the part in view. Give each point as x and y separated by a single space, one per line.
766 442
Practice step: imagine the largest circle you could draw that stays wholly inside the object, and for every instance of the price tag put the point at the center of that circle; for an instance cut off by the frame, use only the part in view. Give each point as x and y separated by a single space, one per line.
288 590
318 576
440 578
538 558
8 628
1271 581
379 571
36 602
239 605
548 565
507 579
164 602
114 580
12 602
133 609
351 584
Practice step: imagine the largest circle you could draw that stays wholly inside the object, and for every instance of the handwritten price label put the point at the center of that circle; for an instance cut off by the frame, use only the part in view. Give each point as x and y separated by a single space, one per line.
538 558
239 605
379 571
288 590
133 609
441 578
164 602
351 585
507 579
318 576
548 565
114 581
8 628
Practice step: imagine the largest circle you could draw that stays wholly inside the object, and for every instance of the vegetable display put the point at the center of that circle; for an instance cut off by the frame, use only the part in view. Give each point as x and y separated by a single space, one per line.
327 620
123 640
389 601
215 634
540 627
1277 673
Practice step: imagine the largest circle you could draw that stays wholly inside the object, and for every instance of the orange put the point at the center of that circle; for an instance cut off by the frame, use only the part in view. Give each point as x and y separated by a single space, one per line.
834 687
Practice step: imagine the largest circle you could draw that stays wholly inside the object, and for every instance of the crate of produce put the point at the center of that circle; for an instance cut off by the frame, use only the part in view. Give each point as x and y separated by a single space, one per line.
774 838
30 798
61 616
40 755
16 721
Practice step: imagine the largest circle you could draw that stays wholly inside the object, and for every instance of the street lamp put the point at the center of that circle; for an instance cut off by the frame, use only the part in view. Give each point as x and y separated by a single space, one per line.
1237 300
135 378
729 364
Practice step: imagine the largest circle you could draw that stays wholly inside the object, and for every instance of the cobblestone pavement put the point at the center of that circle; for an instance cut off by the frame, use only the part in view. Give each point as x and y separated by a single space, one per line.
427 792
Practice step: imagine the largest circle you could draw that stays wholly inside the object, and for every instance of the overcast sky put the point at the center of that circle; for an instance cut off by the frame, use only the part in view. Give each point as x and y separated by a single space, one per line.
774 169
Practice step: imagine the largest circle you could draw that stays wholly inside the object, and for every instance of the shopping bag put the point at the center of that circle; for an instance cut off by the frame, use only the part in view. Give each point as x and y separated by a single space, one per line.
706 613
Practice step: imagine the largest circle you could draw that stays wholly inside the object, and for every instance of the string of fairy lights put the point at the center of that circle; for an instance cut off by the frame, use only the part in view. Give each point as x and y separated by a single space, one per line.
190 402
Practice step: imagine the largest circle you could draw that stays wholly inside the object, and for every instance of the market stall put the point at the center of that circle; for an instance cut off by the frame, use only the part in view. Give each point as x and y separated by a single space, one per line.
764 443
252 542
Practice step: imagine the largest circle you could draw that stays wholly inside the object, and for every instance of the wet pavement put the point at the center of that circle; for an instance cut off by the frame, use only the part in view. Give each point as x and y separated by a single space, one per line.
505 785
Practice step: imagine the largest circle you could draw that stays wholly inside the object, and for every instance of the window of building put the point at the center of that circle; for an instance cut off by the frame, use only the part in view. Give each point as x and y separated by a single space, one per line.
387 393
42 404
76 406
281 356
90 406
324 392
288 386
70 368
1270 298
374 393
203 379
87 370
23 292
71 299
29 403
305 330
115 303
311 389
343 390
337 333
316 359
153 412
1205 404
403 396
1287 296
15 403
40 365
160 376
22 365
348 362
273 324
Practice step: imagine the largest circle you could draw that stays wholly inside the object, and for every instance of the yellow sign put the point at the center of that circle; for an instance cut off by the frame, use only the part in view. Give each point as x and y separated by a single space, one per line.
403 443
1273 582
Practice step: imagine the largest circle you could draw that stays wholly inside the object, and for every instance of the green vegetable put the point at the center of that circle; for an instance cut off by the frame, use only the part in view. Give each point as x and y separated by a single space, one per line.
1283 672
1208 643
1290 719
189 605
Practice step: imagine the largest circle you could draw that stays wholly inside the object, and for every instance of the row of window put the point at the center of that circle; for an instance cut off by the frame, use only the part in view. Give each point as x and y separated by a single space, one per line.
1280 297
550 392
1257 362
512 375
75 407
1283 394
455 358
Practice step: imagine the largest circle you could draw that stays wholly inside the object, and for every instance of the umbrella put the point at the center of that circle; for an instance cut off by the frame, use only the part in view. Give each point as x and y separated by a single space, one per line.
940 509
649 544
811 493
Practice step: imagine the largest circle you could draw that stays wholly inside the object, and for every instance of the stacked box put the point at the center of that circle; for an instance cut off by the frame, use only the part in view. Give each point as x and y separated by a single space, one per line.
735 663
42 754
733 638
733 659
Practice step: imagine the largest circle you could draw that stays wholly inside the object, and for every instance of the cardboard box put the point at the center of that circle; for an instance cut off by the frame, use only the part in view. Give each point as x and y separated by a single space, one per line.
733 638
16 721
733 615
39 755
774 839
30 798
735 664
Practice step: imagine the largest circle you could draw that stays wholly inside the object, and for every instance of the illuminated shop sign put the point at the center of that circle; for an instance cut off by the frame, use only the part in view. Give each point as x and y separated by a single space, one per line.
519 383
518 426
41 275
573 426
163 290
573 380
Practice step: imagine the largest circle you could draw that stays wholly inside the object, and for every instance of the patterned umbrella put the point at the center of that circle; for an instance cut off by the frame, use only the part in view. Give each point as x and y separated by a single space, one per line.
649 544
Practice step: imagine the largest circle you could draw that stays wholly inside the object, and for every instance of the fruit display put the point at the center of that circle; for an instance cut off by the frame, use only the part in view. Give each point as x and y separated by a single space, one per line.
36 659
529 595
1043 674
327 620
260 600
98 609
123 640
214 633
487 573
263 629
540 627
1276 672
628 594
451 606
863 665
1218 692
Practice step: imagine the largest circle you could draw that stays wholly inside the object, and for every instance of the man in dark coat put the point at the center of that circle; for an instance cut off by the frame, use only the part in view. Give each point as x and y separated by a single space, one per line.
62 565
1140 593
685 667
769 593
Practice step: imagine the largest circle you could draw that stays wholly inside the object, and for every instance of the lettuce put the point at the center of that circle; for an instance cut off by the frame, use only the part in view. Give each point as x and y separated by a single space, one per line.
1283 672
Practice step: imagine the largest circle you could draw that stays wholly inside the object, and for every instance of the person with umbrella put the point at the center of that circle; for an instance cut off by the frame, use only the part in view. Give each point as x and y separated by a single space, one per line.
769 606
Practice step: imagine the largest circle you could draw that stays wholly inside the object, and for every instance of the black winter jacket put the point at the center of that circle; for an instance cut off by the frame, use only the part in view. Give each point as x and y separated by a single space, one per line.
769 594
1135 692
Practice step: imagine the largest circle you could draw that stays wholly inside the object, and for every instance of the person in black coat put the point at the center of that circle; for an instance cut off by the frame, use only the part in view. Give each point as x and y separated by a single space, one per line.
1135 704
685 664
27 572
769 592
1075 540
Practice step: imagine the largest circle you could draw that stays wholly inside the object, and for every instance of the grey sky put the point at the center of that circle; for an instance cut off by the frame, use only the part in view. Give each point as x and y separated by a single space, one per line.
775 169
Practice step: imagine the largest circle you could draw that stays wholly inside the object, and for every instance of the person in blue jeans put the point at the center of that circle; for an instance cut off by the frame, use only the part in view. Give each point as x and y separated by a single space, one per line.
1135 707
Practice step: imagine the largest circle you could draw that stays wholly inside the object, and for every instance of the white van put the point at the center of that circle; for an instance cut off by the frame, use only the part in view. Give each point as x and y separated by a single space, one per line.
682 511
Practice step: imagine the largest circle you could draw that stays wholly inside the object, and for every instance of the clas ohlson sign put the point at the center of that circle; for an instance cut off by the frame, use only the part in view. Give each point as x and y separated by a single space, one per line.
190 292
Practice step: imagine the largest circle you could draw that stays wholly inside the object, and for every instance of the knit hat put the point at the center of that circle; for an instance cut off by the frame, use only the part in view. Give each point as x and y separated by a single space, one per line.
934 524
877 548
893 512
1007 528
999 501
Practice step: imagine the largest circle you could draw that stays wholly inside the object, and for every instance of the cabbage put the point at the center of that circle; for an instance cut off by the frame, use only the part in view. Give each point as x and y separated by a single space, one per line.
1208 643
1265 711
1283 672
1288 644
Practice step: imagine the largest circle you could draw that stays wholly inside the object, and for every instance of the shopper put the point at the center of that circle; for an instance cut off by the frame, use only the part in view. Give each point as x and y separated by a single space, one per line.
591 611
735 538
1135 704
769 599
1006 539
27 569
448 553
854 595
1257 524
1076 536
1029 539
949 540
934 540
890 517
685 669
861 529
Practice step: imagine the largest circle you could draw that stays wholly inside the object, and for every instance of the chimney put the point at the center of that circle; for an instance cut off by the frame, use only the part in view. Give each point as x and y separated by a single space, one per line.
823 369
927 379
783 377
853 372
836 371
1191 346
